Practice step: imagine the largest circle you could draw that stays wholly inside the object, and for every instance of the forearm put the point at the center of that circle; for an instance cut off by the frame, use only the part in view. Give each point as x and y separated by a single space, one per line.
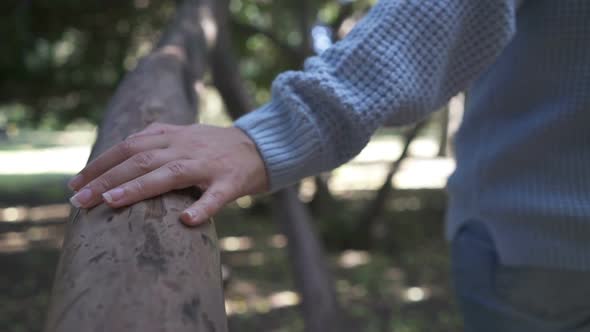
401 62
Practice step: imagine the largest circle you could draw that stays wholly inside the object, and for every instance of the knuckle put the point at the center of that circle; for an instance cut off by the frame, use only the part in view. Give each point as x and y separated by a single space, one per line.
236 179
126 147
235 182
159 127
137 186
217 195
144 161
87 171
215 199
177 169
103 184
154 125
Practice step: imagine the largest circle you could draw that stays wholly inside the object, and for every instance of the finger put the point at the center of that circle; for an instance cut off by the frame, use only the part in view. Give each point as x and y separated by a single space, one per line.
155 128
174 175
116 155
210 203
138 165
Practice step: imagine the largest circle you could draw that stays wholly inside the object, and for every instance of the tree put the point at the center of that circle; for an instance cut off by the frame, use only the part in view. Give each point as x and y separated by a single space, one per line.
138 268
62 58
312 278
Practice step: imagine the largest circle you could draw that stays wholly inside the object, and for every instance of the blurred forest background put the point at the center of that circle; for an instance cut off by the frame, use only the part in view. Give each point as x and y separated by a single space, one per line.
379 218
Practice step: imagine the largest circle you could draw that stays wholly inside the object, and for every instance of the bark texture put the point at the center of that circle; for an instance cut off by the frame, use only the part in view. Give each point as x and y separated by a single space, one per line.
139 268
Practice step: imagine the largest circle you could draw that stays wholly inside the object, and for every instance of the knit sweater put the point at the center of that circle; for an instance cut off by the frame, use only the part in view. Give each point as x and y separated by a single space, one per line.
523 162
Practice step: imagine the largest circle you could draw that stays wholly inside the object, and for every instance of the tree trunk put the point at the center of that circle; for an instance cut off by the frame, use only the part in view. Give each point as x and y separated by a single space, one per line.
375 207
139 268
323 202
312 278
444 133
321 311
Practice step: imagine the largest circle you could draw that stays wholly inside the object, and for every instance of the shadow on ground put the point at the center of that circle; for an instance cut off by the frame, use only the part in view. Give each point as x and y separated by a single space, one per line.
401 284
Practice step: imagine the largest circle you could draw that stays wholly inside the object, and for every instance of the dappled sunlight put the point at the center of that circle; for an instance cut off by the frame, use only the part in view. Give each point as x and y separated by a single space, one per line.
257 304
307 189
424 173
387 148
209 26
244 202
422 169
242 243
255 267
13 242
283 299
45 237
12 214
235 243
414 173
277 241
38 213
353 258
416 294
64 160
384 261
40 225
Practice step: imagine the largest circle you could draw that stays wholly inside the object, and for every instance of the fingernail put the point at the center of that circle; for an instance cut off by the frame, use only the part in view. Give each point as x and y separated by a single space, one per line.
83 197
114 195
75 182
196 216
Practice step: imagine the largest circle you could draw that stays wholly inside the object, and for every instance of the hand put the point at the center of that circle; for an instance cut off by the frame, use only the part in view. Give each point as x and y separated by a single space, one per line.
223 162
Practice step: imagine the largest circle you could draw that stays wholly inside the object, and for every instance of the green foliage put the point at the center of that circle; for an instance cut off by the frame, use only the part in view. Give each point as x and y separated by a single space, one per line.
63 58
24 286
33 189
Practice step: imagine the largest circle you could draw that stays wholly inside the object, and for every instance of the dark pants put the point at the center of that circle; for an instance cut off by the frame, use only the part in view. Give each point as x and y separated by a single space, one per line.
498 298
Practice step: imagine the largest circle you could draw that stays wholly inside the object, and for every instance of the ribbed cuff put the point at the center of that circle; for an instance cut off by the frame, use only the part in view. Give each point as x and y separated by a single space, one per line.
287 140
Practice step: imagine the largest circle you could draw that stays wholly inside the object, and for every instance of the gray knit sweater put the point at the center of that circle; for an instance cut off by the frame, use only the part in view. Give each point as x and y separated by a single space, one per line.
523 156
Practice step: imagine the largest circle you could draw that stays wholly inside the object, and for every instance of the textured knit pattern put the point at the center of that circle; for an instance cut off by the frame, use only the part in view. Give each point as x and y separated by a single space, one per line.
401 62
522 168
523 150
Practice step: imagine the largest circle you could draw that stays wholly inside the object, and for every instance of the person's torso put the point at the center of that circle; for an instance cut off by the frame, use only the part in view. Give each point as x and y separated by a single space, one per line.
524 145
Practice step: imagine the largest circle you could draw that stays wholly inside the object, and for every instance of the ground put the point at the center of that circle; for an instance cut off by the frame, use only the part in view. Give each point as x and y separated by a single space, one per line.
400 285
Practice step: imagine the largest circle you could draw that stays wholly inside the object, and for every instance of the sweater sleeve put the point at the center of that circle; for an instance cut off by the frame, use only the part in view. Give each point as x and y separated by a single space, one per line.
403 60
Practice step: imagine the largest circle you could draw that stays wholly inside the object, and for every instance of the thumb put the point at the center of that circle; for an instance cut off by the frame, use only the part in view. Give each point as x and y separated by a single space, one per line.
212 200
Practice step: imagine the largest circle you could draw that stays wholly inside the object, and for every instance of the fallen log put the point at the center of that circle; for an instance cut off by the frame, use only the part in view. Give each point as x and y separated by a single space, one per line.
138 268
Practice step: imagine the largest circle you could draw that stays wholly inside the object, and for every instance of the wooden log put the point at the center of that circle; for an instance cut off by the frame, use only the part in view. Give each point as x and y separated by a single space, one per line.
139 268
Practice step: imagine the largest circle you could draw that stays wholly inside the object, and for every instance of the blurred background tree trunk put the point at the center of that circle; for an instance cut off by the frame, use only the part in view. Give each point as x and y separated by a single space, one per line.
312 278
376 206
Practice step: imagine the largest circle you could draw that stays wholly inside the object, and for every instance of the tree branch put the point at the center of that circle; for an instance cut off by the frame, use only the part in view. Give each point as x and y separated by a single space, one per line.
375 207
